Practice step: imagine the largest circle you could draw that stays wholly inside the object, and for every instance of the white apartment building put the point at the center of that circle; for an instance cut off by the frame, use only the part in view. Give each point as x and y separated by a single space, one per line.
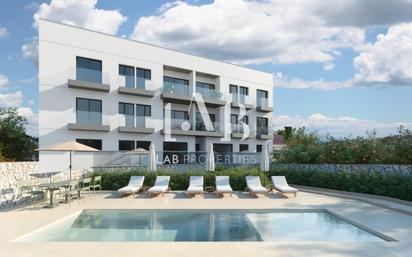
111 93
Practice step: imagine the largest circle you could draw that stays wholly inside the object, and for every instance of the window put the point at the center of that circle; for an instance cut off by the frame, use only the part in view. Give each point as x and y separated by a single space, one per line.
243 148
261 126
88 111
126 145
143 144
200 123
176 86
258 148
127 110
245 119
141 76
261 98
233 119
233 90
244 91
179 115
128 73
207 90
88 70
143 110
94 143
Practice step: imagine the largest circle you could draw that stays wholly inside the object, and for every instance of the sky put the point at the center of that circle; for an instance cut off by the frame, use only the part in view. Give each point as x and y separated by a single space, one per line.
340 67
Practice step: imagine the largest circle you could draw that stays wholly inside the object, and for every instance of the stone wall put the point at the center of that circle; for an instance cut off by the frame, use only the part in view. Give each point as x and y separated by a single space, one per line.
405 170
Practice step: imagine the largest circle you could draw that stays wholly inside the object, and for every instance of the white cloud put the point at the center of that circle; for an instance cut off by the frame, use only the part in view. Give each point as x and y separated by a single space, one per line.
328 66
3 81
11 100
296 83
340 126
32 120
248 32
82 13
3 32
389 59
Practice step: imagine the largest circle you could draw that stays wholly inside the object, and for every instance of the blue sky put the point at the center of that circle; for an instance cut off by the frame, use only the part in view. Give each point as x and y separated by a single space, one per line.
333 74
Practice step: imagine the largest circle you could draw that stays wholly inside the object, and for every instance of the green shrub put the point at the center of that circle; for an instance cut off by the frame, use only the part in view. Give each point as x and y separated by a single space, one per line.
179 180
392 185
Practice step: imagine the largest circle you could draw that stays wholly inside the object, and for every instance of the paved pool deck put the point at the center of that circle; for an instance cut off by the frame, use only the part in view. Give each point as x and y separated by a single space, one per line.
388 221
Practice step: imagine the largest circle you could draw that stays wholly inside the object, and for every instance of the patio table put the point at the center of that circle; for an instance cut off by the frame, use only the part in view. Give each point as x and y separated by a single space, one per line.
51 187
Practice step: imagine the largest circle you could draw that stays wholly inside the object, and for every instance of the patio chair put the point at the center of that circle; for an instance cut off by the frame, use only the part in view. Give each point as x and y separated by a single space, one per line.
195 186
280 184
161 186
134 186
223 185
86 185
97 181
254 186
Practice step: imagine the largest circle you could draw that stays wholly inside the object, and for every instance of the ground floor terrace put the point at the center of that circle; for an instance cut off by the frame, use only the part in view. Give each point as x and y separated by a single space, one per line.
390 218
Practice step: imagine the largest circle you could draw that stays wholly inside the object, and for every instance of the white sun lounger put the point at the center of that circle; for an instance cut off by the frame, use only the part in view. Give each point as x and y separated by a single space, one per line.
160 187
195 186
134 186
223 185
254 185
281 185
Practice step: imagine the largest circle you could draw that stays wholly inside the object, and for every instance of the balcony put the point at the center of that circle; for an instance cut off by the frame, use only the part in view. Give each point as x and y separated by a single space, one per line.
89 121
176 93
262 133
128 85
134 124
237 131
245 100
211 97
262 105
186 128
88 79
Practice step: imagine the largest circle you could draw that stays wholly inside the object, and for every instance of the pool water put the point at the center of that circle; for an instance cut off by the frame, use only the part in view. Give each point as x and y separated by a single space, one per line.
201 225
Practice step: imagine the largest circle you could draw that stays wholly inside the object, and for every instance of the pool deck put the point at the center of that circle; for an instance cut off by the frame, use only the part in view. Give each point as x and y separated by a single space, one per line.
388 221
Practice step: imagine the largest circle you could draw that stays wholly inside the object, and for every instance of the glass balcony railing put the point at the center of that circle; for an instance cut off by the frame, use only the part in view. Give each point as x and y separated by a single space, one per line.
262 131
89 75
200 126
126 81
176 89
262 102
130 82
237 128
209 93
131 121
84 117
178 123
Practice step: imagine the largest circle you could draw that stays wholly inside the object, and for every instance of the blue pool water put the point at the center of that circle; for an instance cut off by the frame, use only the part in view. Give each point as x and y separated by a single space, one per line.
202 225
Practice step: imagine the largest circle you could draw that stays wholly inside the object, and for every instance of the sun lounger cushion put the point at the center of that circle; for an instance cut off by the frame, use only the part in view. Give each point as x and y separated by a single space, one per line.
280 184
135 184
254 185
195 184
223 184
161 185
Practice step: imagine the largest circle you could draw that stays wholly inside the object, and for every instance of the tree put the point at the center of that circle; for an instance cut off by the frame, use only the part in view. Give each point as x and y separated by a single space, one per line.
15 144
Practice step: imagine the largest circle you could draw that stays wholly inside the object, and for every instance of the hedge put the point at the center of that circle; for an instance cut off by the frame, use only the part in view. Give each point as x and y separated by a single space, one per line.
392 185
179 180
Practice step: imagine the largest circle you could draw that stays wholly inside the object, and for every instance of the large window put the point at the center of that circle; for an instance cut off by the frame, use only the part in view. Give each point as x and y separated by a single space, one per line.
126 145
94 143
261 126
206 90
127 109
243 148
176 86
141 76
128 73
233 89
258 148
245 119
143 144
262 98
200 123
142 111
88 70
233 119
88 111
244 90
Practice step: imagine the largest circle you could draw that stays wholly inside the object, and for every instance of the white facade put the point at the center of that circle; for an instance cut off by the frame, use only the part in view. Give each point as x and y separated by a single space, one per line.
60 45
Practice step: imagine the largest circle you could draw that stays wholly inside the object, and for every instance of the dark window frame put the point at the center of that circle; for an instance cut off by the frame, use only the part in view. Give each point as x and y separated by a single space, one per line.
127 142
84 142
147 110
240 90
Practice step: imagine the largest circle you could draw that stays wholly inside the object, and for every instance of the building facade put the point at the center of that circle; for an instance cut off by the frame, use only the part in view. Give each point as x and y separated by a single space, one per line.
116 94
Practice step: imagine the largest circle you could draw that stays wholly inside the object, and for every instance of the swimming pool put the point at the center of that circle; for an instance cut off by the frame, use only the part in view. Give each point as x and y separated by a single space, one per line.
203 225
